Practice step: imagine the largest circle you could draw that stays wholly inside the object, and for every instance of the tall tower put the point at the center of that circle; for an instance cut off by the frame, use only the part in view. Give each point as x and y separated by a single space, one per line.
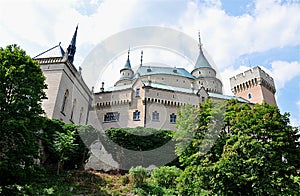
204 73
254 85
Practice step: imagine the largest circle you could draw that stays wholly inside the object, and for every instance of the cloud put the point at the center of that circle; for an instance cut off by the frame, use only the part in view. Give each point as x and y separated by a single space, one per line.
227 37
283 72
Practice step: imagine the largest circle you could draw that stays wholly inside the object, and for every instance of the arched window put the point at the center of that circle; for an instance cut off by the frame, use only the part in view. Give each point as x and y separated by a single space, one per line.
80 115
73 108
250 96
65 101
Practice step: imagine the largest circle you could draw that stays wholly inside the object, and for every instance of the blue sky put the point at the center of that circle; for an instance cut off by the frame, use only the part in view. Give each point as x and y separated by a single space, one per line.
237 34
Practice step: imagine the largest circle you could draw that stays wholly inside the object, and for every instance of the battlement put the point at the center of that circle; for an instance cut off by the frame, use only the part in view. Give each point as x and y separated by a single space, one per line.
250 78
253 76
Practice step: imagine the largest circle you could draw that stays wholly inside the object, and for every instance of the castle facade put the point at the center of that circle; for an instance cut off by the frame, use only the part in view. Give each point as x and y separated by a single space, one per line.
149 96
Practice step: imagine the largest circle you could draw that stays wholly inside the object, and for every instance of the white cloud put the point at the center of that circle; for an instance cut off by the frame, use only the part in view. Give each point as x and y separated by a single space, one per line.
227 37
283 72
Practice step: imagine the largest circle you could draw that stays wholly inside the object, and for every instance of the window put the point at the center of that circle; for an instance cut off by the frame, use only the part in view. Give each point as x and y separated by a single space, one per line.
162 78
173 118
136 115
155 116
111 117
202 99
65 100
80 115
73 108
137 93
249 95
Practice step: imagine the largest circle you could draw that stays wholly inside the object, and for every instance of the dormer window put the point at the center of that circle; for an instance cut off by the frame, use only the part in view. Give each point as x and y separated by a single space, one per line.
148 70
137 92
175 70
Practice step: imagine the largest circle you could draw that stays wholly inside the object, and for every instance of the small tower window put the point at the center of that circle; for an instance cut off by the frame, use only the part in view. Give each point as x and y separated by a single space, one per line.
155 116
249 95
136 115
173 118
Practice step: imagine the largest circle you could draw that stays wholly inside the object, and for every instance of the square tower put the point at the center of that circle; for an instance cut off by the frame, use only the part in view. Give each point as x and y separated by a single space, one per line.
254 85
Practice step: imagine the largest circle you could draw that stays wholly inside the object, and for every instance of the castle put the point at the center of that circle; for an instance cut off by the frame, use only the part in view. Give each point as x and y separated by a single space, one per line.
149 97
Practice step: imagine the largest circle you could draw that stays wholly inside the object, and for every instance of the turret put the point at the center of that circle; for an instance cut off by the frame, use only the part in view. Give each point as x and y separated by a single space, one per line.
204 73
126 72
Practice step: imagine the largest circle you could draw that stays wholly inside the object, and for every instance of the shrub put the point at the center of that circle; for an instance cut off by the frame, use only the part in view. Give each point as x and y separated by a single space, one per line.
166 176
139 175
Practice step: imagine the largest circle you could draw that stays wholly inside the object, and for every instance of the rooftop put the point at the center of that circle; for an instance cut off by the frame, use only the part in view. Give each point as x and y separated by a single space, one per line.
56 51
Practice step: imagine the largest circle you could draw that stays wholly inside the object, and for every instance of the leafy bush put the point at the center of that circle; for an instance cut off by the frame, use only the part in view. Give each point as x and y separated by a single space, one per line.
139 175
165 176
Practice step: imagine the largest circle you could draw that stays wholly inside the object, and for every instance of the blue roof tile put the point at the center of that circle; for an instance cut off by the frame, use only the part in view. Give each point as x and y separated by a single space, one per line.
151 70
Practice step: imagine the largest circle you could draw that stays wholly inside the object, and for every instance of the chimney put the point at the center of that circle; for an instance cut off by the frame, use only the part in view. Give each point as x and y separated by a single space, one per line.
102 87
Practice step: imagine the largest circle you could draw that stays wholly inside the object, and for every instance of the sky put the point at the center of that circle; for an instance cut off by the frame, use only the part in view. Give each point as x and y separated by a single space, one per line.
236 34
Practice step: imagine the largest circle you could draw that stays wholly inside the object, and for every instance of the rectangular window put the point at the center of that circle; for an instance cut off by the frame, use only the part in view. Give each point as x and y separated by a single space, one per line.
203 99
173 118
111 117
137 93
136 115
155 116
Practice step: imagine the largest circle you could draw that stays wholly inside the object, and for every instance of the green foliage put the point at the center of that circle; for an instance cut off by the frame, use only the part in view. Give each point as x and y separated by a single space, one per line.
165 176
22 87
66 142
121 142
256 151
139 175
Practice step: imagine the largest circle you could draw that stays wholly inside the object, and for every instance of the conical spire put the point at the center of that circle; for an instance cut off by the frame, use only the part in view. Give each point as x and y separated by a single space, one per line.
72 47
201 60
127 65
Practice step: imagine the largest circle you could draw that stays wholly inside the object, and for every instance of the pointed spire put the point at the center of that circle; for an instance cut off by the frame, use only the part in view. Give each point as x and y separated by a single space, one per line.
128 52
72 47
199 37
141 58
127 65
201 60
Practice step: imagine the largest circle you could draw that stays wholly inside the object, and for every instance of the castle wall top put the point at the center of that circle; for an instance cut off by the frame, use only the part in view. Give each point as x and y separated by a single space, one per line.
250 74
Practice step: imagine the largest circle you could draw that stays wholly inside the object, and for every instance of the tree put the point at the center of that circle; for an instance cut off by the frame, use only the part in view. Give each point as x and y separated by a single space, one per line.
22 85
73 140
256 153
64 142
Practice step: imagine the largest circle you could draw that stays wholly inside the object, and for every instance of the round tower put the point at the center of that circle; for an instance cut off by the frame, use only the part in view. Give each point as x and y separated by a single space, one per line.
254 85
204 73
126 73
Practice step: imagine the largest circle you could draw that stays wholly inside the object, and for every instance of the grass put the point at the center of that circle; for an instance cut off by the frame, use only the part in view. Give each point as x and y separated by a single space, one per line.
74 183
